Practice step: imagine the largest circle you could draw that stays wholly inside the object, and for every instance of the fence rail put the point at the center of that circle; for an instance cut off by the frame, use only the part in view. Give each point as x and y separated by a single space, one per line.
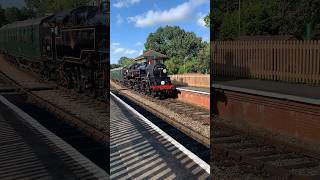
291 61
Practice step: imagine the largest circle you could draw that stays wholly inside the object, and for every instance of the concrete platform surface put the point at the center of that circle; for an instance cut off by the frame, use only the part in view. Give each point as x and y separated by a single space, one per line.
137 151
30 151
299 90
206 90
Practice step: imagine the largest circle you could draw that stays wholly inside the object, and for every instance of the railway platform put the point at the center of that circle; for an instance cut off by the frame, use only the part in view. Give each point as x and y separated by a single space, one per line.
199 96
286 111
24 79
195 89
140 150
301 92
30 151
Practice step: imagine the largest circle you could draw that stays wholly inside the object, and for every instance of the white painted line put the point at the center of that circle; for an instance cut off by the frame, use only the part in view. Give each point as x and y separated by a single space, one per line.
268 94
191 155
194 91
58 142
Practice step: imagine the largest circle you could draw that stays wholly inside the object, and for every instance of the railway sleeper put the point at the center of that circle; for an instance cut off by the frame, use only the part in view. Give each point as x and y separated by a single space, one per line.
230 139
273 157
277 171
256 152
290 163
299 165
241 146
311 172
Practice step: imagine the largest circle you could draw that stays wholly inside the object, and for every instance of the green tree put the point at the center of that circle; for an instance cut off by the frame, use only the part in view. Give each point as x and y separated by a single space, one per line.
172 65
123 61
43 7
13 14
203 59
3 19
27 13
190 66
259 17
207 20
229 29
187 53
174 42
113 66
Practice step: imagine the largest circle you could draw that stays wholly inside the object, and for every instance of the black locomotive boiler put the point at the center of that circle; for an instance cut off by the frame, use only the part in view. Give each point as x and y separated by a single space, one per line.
147 75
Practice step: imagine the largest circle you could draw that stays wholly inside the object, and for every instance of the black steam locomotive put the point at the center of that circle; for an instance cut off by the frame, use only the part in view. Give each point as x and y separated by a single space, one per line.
71 47
149 77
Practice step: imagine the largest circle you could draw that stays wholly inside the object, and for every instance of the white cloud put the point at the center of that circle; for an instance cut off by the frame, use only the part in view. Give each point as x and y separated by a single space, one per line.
125 3
119 19
138 43
178 13
124 51
140 52
115 44
200 20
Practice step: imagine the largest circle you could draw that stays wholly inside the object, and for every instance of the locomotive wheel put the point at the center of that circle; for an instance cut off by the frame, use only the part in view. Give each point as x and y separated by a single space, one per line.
63 78
154 94
77 87
76 79
92 93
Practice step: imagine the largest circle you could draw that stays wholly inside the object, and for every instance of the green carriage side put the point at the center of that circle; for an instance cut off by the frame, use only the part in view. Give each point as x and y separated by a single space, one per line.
22 39
116 74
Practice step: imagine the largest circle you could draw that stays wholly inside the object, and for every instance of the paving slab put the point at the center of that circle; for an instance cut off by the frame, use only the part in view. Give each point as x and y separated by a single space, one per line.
140 152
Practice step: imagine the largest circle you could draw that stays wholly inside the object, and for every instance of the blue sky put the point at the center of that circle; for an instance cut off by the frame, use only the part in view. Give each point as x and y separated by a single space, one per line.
133 20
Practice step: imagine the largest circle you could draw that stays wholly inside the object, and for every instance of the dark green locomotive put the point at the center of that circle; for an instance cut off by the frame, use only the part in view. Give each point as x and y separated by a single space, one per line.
69 46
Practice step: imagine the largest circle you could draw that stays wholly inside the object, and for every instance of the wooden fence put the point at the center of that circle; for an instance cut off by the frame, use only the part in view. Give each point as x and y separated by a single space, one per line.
195 80
291 61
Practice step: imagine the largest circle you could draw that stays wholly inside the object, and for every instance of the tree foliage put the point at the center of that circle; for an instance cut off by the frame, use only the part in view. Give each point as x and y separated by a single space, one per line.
259 17
38 8
123 61
12 14
188 53
3 19
174 42
113 66
43 7
207 20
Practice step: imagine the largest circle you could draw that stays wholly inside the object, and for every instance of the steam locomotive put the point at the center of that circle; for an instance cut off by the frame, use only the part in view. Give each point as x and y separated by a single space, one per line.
149 77
70 47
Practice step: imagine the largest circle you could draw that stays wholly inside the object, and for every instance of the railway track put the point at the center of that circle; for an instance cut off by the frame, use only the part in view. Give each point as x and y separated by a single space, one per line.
197 114
263 154
91 115
90 148
197 148
79 120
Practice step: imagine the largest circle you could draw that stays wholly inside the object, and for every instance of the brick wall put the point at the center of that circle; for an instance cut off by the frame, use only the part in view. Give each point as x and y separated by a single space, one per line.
292 119
195 80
